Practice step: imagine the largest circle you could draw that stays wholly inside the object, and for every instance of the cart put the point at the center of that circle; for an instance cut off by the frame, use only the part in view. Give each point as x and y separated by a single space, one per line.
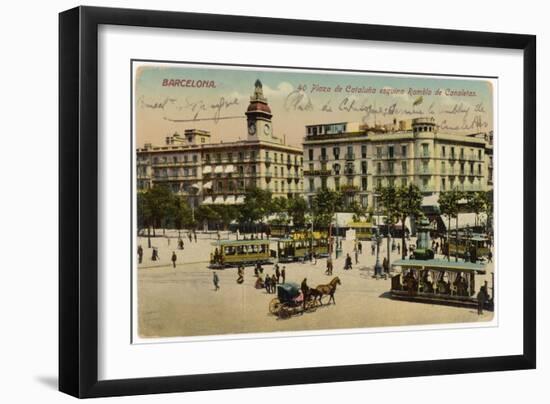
290 301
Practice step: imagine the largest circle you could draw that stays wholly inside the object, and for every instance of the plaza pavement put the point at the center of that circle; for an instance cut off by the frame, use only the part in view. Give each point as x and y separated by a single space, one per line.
181 301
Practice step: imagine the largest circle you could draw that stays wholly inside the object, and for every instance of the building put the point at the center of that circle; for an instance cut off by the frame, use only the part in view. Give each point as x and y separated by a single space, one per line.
220 173
356 159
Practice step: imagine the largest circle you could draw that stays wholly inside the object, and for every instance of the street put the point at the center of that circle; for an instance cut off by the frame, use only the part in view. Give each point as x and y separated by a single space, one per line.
182 301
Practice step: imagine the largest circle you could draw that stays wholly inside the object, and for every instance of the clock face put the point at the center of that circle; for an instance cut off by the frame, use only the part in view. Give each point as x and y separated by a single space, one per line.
267 129
252 128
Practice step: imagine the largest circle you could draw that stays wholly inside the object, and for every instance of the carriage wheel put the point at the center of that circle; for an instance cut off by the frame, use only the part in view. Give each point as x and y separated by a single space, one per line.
311 305
274 306
284 313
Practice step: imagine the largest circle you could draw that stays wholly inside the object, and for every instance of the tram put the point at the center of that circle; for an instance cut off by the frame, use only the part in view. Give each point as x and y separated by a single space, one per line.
424 278
363 230
228 253
476 245
301 244
438 281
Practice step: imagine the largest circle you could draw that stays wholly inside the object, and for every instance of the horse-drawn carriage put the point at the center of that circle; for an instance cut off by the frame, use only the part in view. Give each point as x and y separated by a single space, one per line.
291 300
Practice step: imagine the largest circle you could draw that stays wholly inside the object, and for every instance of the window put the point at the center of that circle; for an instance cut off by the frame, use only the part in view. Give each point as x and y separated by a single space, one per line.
378 167
442 167
403 182
391 182
390 167
310 153
207 158
378 152
379 183
462 152
350 152
443 151
323 153
425 183
424 166
175 159
336 168
425 150
363 167
324 183
404 167
336 153
185 158
364 184
479 169
365 201
390 152
443 184
404 150
337 183
479 154
452 152
311 185
364 151
195 158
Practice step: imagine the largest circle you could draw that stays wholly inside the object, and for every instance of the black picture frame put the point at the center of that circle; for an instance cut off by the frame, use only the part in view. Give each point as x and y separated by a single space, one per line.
78 200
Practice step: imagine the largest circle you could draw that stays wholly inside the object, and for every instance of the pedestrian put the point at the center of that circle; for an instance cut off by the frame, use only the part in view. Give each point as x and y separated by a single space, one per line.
216 281
481 297
356 256
437 247
305 289
385 265
404 249
155 254
360 246
347 264
195 235
218 234
267 284
140 253
189 237
393 246
398 248
490 256
277 272
372 249
256 271
168 241
174 258
238 233
283 274
180 244
273 283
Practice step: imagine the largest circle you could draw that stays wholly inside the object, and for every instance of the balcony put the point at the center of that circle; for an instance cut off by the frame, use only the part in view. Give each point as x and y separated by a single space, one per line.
267 160
349 189
350 156
323 158
349 171
268 174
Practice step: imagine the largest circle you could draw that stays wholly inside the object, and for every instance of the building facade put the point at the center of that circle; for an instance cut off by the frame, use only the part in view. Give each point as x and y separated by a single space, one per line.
357 159
220 173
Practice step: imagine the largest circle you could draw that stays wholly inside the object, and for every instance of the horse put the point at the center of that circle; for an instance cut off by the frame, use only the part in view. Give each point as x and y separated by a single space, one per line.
329 289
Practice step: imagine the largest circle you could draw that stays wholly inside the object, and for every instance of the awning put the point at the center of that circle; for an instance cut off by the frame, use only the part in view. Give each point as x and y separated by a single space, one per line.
207 200
207 185
218 170
207 170
229 169
218 200
240 199
196 186
230 200
432 200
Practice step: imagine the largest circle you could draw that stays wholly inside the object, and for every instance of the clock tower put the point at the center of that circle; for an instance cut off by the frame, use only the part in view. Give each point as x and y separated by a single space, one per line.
258 116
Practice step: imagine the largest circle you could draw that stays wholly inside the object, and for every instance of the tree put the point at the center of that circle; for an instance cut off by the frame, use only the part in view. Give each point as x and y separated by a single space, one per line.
408 204
279 207
476 202
325 204
225 214
183 216
161 203
205 213
297 209
449 206
358 211
144 215
257 205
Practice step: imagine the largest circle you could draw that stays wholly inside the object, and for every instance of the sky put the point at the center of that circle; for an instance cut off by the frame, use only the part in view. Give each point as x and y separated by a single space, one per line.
215 98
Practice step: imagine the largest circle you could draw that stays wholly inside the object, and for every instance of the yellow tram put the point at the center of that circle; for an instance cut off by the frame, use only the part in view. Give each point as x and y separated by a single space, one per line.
239 252
300 244
477 247
363 230
437 281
